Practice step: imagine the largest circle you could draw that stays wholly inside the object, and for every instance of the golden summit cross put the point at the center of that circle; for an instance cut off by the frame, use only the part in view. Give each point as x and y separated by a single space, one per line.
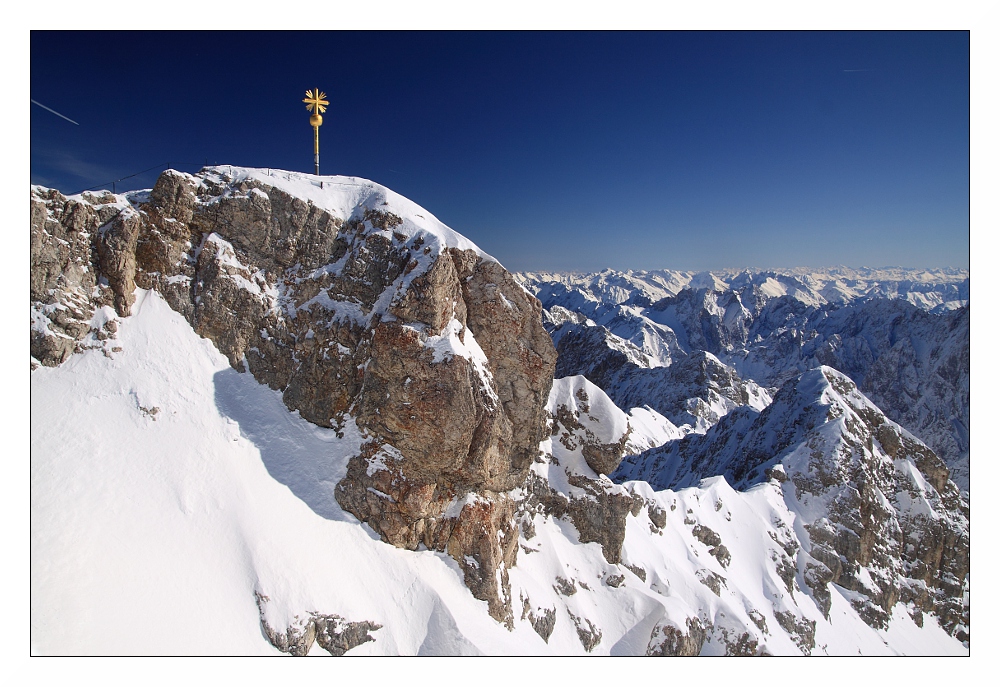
316 103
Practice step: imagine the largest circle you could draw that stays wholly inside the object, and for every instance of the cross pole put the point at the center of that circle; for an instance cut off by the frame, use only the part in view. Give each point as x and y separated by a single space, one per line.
316 103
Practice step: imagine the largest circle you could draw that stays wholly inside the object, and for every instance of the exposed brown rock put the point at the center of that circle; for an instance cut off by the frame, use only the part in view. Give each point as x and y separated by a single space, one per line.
64 278
601 516
507 321
333 633
598 514
543 620
738 643
801 630
614 580
564 586
116 243
637 570
711 580
589 634
817 577
667 640
711 539
657 515
484 542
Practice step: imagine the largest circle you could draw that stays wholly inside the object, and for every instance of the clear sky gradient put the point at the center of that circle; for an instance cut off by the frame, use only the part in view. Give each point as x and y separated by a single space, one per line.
558 151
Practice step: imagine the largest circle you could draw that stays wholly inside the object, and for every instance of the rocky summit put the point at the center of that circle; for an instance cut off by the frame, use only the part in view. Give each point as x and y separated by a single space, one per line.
352 312
279 412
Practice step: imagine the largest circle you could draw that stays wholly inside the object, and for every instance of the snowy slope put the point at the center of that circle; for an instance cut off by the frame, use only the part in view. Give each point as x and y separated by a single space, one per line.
184 514
875 503
751 595
167 486
646 428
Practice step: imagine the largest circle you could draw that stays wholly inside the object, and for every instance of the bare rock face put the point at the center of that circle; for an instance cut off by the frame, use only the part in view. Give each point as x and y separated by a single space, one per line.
711 539
801 630
596 507
590 635
67 254
116 243
460 425
668 640
333 633
728 637
543 620
369 311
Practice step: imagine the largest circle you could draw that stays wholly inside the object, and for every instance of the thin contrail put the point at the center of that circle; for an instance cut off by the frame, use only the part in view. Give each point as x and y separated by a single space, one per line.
857 70
55 113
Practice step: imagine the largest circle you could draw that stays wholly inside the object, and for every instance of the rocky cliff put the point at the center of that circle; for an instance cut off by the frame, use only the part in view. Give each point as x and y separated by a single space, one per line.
356 304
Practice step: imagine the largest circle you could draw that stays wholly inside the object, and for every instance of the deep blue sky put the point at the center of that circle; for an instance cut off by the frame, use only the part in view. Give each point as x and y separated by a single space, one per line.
563 151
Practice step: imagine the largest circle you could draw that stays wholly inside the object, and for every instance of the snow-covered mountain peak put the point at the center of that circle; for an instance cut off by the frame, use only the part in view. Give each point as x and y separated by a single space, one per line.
588 402
869 494
585 418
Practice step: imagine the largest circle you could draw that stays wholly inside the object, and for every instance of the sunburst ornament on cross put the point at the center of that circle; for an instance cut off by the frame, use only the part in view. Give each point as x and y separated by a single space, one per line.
316 103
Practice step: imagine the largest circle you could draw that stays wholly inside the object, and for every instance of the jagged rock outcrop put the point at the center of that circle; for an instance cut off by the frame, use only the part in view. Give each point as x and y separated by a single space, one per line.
354 303
668 640
543 620
596 507
332 633
461 415
73 301
589 634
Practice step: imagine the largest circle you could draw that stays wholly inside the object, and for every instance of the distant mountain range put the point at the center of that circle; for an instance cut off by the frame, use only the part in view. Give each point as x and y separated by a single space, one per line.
901 335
